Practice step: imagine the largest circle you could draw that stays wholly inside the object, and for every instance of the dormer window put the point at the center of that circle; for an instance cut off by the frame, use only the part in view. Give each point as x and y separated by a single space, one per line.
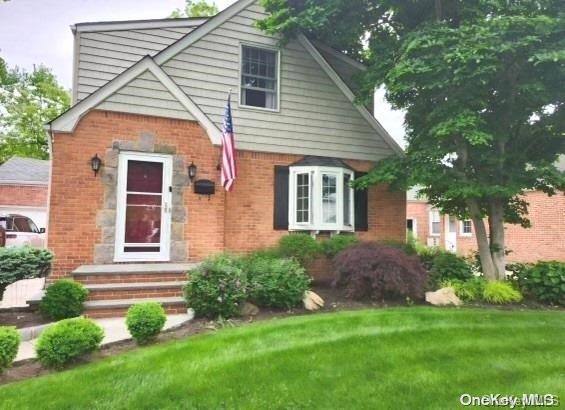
320 198
259 78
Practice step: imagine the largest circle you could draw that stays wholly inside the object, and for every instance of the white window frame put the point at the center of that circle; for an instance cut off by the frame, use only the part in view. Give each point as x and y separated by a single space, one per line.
432 211
240 73
461 228
315 215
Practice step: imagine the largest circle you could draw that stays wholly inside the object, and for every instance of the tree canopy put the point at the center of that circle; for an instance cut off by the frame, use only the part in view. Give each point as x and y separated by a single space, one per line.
481 82
199 8
28 100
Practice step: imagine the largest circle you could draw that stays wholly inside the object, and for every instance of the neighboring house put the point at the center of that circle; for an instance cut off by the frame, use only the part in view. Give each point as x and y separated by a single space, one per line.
545 240
24 188
149 99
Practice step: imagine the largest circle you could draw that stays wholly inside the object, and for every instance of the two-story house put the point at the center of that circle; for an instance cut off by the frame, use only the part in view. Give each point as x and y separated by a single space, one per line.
149 99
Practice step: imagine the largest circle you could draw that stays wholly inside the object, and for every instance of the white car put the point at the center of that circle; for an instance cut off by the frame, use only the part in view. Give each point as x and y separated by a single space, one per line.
22 231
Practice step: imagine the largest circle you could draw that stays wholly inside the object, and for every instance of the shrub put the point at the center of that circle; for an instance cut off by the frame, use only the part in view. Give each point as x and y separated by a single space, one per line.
17 263
67 341
378 271
145 321
500 292
469 290
545 281
336 243
9 344
217 287
275 282
63 299
300 246
447 265
407 247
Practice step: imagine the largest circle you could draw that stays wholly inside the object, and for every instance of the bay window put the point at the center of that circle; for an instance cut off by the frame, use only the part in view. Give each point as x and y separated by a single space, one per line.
320 199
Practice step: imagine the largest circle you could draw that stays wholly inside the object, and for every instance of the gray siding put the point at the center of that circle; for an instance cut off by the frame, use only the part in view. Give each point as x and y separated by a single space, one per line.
146 95
315 117
103 55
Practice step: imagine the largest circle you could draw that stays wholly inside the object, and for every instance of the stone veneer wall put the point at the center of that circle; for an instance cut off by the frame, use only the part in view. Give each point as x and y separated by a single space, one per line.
106 217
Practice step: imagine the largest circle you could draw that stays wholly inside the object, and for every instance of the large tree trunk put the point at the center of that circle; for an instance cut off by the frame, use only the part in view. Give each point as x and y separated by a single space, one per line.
487 263
496 226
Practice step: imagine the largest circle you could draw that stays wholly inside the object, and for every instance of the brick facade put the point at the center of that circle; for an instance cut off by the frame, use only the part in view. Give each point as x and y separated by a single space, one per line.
239 221
23 195
545 240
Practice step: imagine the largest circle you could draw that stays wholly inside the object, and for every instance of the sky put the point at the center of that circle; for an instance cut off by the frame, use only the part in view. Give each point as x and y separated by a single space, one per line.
38 32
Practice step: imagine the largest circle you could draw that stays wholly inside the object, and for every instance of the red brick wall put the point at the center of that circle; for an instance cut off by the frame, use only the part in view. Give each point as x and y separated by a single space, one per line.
239 221
76 195
249 207
23 195
545 240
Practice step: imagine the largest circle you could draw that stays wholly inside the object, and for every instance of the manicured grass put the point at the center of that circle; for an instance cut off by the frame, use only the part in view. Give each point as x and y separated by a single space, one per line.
416 357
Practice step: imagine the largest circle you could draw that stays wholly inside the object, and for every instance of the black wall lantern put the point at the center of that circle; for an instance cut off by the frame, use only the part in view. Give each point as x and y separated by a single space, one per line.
192 171
95 164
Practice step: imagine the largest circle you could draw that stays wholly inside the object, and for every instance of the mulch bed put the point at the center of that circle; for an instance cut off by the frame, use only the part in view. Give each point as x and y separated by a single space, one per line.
333 298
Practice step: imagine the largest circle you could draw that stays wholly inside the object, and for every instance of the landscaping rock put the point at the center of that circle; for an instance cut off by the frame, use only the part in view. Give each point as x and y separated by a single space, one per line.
312 301
442 297
249 309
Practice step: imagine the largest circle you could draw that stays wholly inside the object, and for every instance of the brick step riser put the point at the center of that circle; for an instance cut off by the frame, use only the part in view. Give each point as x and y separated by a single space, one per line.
133 294
121 312
132 278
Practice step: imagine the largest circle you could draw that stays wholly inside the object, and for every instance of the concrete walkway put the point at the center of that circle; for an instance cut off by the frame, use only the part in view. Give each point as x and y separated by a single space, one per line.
115 330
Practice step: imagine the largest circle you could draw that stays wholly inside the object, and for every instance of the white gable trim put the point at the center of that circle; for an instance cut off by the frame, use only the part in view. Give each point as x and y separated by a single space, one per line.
67 121
348 93
199 32
136 24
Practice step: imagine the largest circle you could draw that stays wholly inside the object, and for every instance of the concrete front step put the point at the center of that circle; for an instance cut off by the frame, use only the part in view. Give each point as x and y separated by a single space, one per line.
111 291
119 307
132 273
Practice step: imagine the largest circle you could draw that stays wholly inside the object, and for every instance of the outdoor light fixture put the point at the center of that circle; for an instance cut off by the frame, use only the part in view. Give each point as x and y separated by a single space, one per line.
95 164
192 171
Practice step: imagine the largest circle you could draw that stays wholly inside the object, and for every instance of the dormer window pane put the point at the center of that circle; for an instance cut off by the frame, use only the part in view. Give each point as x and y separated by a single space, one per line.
259 77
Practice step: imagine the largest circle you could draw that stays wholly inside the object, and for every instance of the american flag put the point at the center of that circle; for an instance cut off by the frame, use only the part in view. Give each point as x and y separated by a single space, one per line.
229 172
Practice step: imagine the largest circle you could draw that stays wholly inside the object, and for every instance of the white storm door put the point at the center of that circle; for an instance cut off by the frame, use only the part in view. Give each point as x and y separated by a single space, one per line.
143 214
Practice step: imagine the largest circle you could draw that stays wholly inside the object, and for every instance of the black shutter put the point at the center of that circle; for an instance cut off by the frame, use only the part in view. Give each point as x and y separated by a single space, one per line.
361 206
281 198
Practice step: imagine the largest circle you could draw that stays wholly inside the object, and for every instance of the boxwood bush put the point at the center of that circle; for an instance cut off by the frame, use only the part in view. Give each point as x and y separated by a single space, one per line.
63 299
67 341
300 246
17 263
545 281
145 321
275 282
217 287
9 344
374 270
500 292
336 243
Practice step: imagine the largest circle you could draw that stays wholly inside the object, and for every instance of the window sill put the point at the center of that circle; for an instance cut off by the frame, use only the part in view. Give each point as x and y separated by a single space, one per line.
253 108
320 229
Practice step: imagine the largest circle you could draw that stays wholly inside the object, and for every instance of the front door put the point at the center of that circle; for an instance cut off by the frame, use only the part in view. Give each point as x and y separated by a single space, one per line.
451 233
143 214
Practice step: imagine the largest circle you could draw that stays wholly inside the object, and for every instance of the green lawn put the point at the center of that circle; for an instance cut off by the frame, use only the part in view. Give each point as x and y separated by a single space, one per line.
415 357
